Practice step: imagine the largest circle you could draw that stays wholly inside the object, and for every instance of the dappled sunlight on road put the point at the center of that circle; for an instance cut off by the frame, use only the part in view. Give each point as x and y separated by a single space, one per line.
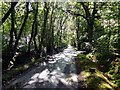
58 72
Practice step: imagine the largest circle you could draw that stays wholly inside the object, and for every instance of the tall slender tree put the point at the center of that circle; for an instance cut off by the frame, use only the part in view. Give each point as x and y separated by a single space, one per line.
21 29
46 11
34 29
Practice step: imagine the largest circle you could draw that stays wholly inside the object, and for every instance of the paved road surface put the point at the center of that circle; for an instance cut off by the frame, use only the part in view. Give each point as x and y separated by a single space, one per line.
58 72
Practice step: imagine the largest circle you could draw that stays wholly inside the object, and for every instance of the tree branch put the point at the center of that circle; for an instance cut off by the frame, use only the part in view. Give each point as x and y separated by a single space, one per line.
86 9
8 13
94 10
75 14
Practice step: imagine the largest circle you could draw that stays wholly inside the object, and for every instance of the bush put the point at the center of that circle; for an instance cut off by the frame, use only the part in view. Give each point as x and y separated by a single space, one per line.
64 45
104 61
118 82
103 55
82 57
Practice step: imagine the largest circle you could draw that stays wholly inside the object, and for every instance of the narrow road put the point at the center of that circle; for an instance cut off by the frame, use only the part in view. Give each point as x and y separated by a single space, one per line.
58 72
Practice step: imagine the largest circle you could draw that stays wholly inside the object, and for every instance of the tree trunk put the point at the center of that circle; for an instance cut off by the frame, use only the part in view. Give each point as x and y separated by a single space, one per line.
118 21
31 37
52 32
15 33
90 20
77 33
90 30
21 30
46 11
12 30
51 36
34 30
52 40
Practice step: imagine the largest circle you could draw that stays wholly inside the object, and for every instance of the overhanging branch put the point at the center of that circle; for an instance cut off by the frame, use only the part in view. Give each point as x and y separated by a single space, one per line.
8 13
75 14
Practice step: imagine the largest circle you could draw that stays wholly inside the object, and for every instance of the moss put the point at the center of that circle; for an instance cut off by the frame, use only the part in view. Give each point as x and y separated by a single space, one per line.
98 79
85 62
93 82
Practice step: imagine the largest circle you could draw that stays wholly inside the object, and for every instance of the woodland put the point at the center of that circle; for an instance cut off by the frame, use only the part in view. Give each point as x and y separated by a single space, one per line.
34 31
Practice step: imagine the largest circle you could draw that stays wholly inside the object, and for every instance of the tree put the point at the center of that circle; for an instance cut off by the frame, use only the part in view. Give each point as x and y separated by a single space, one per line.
34 29
46 11
50 35
12 29
21 30
88 16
